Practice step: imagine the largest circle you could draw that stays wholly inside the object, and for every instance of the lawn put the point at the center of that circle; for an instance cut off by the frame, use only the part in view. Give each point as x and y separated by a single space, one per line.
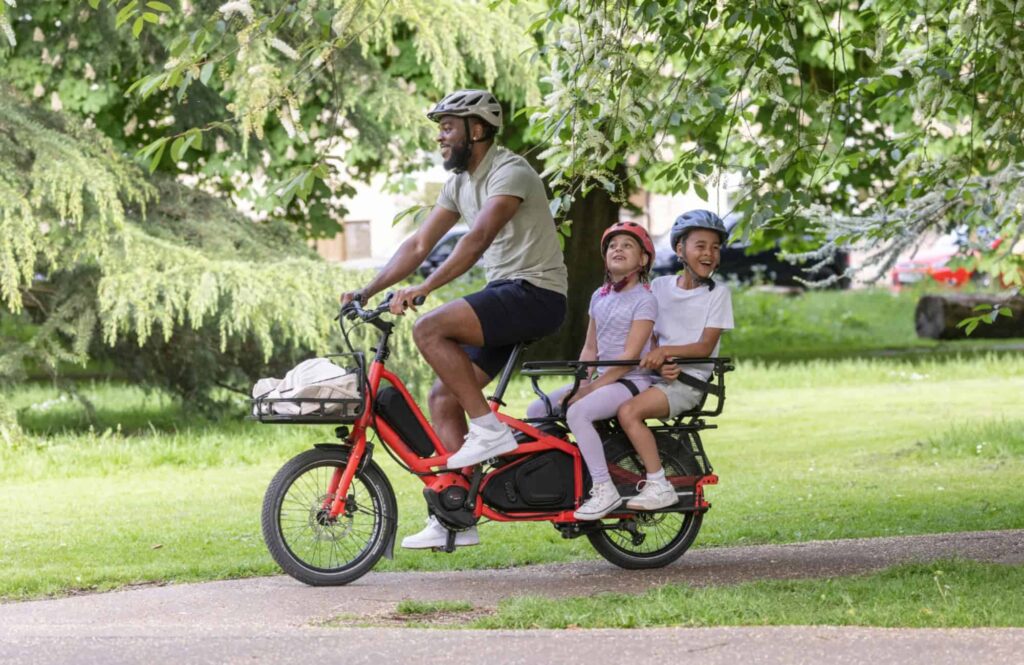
830 449
836 447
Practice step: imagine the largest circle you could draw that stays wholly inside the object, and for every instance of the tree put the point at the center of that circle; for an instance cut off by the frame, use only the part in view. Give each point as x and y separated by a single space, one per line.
281 104
871 121
173 285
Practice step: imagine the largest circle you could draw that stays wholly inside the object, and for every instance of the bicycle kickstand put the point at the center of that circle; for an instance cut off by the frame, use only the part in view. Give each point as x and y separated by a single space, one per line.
449 545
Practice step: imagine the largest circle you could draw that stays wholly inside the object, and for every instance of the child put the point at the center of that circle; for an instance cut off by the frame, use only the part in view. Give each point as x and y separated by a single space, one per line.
622 315
693 310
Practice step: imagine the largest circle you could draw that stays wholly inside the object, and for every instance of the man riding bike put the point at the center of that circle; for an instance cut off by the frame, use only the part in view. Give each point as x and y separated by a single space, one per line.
468 341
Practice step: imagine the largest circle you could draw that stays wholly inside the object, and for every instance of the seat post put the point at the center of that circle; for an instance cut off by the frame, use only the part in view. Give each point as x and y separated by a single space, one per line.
506 373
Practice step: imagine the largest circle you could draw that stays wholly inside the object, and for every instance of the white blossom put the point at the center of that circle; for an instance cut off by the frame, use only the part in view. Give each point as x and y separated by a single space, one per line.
287 50
240 7
55 103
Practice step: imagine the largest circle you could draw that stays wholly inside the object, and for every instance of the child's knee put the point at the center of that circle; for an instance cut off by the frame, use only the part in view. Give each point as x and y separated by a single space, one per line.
537 409
627 413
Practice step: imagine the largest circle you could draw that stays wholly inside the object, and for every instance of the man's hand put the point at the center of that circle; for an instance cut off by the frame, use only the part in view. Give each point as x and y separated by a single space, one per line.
349 296
670 371
654 359
404 298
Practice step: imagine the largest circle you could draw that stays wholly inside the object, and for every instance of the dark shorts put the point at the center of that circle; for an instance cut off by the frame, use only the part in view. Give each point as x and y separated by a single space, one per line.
512 311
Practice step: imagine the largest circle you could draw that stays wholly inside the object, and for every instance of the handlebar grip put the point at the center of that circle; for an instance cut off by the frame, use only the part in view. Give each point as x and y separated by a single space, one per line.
419 300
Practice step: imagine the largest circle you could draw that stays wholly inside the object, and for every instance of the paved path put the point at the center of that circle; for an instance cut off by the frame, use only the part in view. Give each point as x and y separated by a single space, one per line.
276 619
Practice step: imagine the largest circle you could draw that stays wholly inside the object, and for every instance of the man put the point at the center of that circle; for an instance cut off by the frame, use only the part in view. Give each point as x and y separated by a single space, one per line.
468 341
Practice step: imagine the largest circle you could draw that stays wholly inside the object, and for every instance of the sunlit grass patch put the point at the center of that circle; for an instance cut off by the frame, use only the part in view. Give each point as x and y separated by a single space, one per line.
995 439
942 594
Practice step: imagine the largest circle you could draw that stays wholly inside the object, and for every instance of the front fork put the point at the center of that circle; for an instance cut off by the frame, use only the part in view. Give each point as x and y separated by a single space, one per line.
341 480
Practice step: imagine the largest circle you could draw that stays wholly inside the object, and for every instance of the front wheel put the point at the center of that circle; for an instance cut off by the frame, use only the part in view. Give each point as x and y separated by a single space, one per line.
306 541
664 536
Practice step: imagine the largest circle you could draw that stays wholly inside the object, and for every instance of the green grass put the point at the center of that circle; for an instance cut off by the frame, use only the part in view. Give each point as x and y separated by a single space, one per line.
829 449
772 326
422 607
934 595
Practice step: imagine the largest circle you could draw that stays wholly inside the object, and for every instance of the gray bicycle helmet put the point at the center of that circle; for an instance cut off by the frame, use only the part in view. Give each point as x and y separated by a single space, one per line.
467 103
697 219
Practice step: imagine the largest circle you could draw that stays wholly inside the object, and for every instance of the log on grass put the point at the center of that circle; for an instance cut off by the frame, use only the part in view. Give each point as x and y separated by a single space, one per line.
936 316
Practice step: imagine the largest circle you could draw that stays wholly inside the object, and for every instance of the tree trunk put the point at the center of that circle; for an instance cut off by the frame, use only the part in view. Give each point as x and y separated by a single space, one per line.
937 315
590 215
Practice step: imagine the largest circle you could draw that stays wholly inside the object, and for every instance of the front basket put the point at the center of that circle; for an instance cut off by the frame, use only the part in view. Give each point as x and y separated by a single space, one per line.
314 410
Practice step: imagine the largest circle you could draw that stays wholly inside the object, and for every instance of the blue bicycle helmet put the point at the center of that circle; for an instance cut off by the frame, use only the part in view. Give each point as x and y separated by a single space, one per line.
697 219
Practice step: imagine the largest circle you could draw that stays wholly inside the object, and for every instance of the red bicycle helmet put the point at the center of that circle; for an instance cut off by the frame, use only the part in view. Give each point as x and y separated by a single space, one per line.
635 230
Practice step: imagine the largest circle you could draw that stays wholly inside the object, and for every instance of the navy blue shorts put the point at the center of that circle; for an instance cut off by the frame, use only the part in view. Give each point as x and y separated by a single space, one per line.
512 311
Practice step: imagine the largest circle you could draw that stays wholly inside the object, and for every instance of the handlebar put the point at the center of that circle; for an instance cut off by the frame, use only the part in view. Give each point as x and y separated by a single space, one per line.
354 309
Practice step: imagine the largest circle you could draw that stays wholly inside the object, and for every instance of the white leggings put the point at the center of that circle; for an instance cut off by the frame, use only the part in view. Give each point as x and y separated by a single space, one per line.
601 404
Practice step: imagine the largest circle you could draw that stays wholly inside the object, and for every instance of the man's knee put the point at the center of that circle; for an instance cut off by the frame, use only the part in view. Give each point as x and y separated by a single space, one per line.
425 330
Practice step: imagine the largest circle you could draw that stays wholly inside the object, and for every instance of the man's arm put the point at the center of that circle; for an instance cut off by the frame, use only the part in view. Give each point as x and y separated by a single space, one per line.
495 215
411 252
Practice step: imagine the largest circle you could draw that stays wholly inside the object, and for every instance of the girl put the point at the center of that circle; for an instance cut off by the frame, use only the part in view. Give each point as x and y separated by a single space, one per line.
693 310
622 315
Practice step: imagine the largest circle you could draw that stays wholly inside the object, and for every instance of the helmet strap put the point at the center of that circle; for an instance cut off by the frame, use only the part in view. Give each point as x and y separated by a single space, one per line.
701 281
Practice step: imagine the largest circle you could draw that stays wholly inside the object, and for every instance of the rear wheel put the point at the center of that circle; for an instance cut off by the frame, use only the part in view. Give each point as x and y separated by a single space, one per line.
306 541
651 540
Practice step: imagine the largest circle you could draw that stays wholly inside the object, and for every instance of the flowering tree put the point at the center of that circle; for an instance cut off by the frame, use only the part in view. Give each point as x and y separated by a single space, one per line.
871 121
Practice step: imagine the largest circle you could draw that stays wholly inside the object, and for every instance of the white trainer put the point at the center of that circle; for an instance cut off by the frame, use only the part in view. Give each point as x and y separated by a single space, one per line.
604 498
436 535
482 444
653 494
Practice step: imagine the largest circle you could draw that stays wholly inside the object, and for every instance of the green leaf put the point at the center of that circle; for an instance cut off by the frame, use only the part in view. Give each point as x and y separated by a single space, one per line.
205 73
137 27
150 17
177 148
125 13
153 163
159 6
95 4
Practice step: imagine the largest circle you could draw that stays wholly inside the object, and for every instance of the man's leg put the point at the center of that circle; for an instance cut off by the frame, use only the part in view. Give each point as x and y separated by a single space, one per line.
439 335
447 415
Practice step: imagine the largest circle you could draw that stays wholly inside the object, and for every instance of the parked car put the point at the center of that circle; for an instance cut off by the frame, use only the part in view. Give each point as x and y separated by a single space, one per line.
934 264
742 264
442 250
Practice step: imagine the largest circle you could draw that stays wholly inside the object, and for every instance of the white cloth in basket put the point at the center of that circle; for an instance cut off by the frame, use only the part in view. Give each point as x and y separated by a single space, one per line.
316 378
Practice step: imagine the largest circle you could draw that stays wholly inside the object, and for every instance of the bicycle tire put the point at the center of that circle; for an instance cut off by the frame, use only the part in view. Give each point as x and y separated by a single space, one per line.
295 528
674 531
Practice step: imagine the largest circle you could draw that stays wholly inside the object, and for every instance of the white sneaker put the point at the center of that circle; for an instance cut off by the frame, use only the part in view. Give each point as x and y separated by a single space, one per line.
436 535
653 494
604 498
482 444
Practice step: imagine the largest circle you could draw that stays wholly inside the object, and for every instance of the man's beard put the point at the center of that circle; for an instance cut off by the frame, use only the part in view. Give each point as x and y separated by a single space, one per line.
458 157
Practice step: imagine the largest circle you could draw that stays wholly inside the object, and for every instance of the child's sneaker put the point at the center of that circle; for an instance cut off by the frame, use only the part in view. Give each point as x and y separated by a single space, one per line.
604 498
653 494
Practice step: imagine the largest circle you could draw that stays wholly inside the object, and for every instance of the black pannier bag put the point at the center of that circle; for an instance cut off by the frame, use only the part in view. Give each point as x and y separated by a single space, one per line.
543 481
395 411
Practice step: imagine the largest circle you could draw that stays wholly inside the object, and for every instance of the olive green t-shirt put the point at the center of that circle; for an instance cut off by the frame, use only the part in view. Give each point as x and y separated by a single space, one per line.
527 246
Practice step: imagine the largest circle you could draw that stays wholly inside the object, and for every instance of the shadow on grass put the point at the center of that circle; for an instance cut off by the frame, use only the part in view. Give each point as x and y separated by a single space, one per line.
115 407
938 352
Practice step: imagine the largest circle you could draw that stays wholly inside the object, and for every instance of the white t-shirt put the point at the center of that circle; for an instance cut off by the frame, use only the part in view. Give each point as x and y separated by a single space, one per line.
527 246
683 314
